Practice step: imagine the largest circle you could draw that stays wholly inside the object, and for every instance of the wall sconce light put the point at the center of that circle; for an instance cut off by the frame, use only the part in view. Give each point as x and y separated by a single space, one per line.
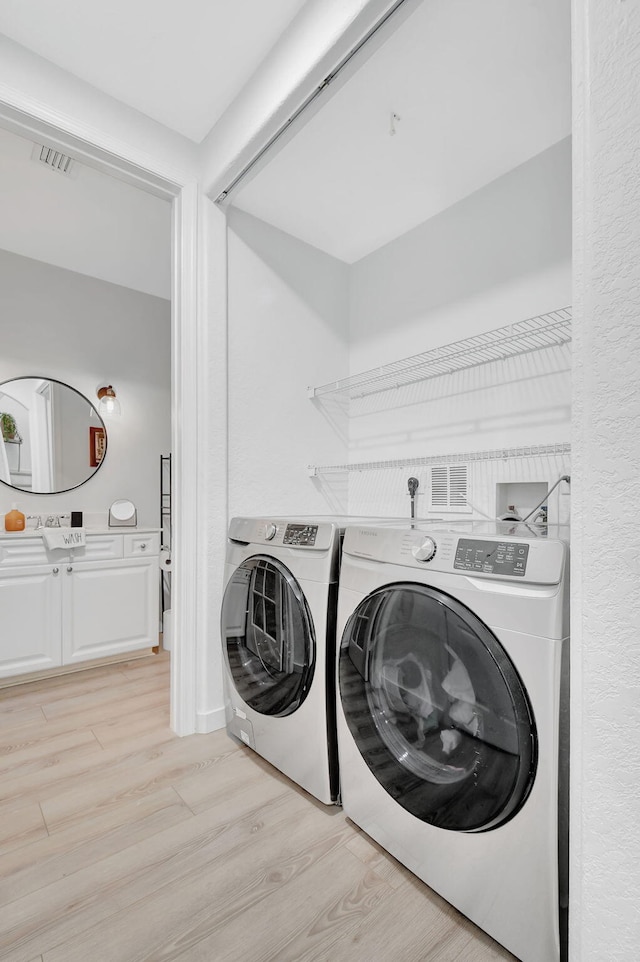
109 405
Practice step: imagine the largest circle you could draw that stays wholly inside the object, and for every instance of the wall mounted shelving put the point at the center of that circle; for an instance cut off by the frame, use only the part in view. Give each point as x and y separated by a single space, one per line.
522 337
496 454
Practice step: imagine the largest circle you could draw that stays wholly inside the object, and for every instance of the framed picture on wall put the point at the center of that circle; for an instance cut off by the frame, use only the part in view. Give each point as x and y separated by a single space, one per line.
96 446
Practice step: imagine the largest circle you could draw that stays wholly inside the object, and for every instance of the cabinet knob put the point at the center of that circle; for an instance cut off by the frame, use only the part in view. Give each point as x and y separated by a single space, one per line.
69 568
143 546
56 570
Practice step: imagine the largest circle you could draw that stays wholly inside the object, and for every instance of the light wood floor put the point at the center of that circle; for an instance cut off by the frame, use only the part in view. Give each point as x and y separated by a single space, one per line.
120 842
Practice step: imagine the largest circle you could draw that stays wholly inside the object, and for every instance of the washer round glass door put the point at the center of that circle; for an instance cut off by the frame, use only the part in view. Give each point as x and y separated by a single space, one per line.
437 709
268 636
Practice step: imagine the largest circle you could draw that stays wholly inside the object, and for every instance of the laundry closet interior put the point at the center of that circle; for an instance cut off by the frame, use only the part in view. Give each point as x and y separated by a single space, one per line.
399 347
399 278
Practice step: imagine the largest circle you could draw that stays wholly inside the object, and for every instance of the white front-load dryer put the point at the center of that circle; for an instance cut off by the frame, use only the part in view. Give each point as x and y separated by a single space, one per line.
451 711
278 639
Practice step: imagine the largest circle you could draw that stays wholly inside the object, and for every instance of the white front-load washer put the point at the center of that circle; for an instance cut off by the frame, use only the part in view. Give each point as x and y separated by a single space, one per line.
451 716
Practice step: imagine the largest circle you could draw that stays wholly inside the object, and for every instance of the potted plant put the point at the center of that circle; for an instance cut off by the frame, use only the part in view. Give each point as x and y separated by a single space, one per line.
9 428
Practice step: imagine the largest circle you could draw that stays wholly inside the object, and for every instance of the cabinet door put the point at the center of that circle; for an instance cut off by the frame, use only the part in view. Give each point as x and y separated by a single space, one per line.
109 608
30 619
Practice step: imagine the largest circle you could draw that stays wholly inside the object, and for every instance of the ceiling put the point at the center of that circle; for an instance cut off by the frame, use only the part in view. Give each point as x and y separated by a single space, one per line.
179 63
478 89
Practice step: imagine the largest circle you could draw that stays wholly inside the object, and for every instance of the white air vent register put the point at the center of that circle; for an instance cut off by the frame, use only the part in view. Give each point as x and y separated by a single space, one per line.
52 158
449 487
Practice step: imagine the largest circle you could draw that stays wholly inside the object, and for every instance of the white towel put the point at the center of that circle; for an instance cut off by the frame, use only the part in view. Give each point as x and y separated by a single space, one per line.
63 538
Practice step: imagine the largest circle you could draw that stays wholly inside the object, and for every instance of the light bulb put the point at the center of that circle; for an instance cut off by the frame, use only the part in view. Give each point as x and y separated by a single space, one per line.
109 405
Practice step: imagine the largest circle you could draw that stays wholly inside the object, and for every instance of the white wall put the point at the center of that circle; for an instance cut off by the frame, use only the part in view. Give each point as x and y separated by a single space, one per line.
86 332
85 221
287 330
500 256
605 760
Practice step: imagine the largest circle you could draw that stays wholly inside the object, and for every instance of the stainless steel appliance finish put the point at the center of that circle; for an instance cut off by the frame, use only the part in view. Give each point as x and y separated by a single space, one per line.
452 705
278 636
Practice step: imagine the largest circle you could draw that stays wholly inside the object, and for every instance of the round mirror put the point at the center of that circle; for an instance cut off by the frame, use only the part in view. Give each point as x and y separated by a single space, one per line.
52 438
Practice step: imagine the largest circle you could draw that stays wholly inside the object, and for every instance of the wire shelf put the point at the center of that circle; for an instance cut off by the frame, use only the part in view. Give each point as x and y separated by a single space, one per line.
522 337
497 454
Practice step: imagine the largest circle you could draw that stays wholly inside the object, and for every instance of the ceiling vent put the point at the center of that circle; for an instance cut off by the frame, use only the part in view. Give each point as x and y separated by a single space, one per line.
54 159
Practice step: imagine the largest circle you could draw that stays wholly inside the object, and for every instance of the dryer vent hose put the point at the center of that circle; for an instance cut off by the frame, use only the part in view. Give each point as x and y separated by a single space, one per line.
565 477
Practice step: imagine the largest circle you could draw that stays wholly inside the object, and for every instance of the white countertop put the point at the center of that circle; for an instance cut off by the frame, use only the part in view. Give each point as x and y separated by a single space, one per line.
98 530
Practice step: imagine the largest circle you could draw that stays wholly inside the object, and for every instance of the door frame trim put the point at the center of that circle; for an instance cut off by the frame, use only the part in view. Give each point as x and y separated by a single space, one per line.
31 118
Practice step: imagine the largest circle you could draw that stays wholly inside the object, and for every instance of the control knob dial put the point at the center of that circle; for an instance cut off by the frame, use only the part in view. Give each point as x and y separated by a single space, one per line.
269 532
425 550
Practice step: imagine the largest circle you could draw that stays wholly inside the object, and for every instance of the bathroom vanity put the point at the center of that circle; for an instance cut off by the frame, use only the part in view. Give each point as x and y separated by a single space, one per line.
66 607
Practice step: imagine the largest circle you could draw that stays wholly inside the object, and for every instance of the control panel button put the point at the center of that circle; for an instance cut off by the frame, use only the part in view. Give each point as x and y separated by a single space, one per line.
300 535
491 557
425 550
269 532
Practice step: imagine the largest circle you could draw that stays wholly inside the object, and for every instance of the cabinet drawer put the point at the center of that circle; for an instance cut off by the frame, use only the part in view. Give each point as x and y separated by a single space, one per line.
31 551
139 545
99 547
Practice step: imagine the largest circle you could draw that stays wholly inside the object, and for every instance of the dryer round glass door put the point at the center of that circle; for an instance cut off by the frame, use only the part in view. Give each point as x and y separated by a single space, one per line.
268 636
437 709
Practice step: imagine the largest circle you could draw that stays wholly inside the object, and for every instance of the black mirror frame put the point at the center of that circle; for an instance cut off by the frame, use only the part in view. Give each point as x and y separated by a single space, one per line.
100 422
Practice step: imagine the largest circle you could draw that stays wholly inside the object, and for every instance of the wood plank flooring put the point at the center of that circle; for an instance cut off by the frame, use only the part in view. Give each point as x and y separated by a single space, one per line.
120 842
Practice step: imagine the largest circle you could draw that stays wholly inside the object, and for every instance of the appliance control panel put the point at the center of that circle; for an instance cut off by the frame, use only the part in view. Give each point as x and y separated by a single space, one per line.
296 534
491 557
300 534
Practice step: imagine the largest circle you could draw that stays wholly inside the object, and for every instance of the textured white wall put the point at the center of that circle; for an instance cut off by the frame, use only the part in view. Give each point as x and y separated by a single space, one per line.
86 332
288 307
605 762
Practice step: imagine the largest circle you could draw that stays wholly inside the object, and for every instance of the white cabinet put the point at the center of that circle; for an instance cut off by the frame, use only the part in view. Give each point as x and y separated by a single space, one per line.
63 608
30 619
109 607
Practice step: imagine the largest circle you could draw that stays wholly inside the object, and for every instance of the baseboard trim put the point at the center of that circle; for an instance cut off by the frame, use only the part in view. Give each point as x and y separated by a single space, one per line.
210 721
125 658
